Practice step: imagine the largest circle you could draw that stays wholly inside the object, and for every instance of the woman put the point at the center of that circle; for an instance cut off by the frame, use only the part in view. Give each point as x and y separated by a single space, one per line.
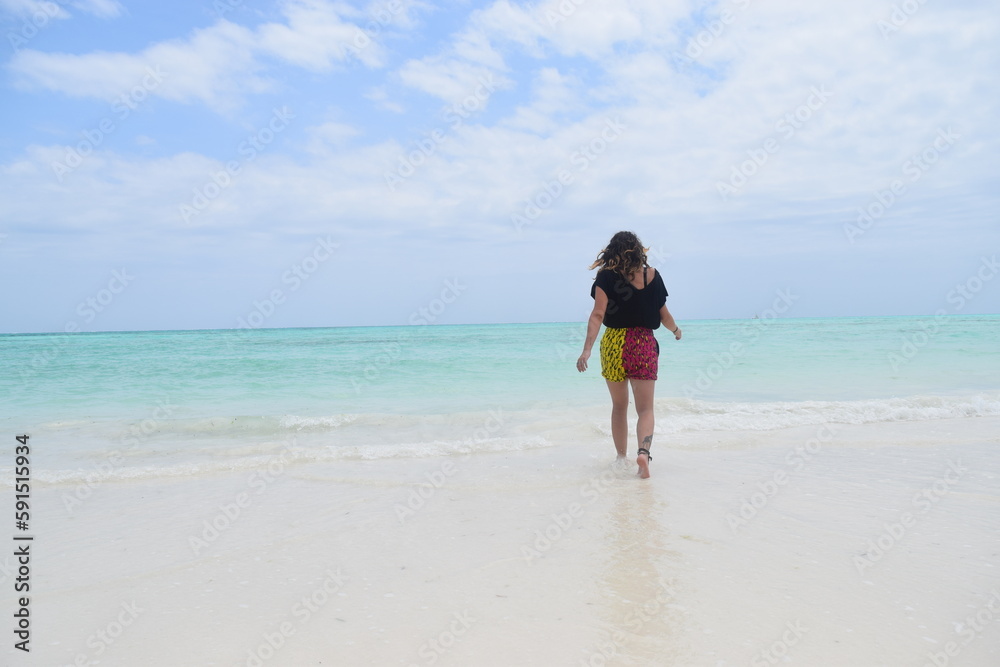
630 300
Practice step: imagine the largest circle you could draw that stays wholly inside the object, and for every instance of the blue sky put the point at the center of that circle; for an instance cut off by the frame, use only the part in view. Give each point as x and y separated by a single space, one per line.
187 165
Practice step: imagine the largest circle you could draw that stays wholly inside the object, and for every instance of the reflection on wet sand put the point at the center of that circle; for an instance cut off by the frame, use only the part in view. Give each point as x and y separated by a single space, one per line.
637 583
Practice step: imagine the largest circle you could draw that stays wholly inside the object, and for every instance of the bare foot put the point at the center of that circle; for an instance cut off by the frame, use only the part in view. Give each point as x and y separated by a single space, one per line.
643 462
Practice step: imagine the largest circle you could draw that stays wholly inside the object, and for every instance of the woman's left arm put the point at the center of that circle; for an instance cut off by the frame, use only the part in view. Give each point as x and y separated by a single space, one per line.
668 321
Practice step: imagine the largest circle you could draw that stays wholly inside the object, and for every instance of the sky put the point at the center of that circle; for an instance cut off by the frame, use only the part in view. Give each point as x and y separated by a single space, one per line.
237 163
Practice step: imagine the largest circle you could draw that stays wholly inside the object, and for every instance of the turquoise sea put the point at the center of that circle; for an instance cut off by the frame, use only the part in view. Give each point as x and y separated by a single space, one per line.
184 399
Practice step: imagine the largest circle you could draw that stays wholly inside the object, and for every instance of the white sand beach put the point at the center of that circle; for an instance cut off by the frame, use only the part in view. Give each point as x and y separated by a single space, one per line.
875 544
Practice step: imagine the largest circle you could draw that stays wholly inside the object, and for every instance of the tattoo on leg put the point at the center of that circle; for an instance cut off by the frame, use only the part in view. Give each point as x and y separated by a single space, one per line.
647 441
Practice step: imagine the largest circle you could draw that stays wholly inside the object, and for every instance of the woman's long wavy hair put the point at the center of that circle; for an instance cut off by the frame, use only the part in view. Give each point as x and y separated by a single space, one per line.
624 254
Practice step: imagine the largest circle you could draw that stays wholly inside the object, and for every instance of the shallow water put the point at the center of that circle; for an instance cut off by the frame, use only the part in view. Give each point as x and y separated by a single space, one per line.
166 403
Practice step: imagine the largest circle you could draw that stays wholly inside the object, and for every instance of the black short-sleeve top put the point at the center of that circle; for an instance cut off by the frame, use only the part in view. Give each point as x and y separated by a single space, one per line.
628 306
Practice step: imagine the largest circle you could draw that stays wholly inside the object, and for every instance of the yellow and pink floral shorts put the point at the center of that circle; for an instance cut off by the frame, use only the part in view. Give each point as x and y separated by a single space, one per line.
629 354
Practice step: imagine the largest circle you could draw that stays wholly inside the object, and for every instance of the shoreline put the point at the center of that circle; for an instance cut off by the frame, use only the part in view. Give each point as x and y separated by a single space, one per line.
93 452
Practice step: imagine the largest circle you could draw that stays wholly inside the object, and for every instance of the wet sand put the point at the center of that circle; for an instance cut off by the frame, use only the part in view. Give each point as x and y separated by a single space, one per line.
872 544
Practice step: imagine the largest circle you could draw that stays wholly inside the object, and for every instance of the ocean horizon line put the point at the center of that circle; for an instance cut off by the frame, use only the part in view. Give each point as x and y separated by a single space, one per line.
474 324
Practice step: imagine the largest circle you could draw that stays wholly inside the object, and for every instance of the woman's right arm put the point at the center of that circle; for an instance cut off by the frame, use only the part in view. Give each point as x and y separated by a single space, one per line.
593 327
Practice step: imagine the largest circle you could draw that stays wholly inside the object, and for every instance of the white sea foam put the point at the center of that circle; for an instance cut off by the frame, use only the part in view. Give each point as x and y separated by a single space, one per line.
677 415
305 423
277 457
183 447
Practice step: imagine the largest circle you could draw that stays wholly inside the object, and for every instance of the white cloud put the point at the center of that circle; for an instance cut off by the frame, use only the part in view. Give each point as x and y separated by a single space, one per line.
101 75
591 28
550 28
102 8
215 66
218 65
553 96
685 129
475 45
33 8
50 9
450 79
380 96
316 36
330 135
